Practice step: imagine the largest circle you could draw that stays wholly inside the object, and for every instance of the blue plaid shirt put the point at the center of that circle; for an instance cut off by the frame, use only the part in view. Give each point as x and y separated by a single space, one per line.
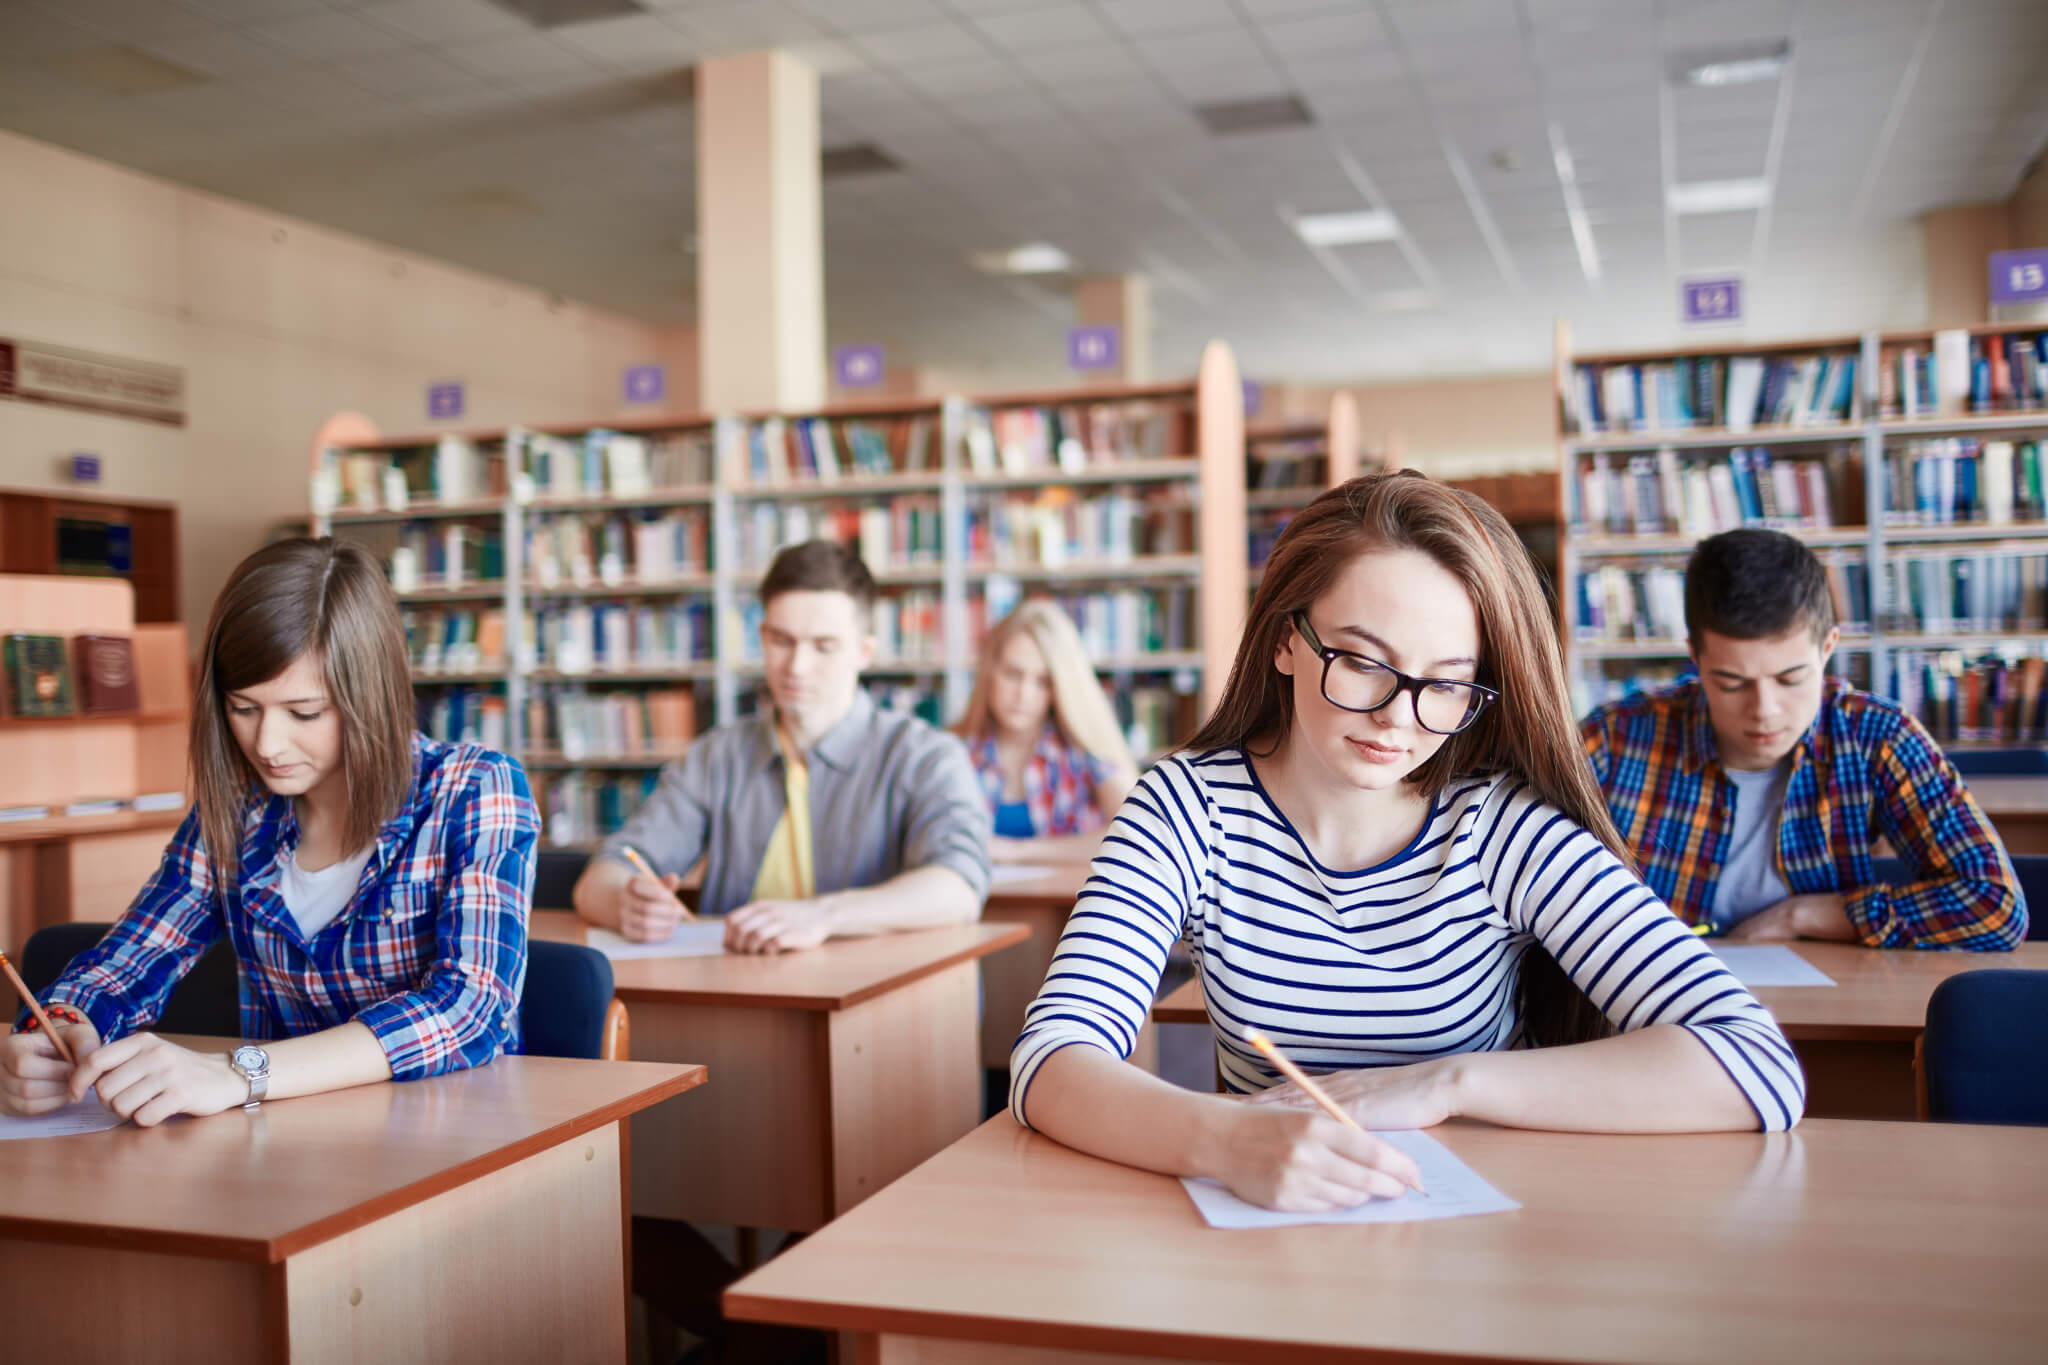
430 955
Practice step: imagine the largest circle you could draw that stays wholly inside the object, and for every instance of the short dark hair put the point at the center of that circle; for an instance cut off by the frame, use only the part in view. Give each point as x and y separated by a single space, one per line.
819 566
1754 584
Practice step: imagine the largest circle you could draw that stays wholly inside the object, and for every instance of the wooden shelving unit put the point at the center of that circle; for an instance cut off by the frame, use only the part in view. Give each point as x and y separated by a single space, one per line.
1858 448
940 580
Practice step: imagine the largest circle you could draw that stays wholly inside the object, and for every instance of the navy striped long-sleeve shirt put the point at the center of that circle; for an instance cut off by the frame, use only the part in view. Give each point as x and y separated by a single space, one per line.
1412 959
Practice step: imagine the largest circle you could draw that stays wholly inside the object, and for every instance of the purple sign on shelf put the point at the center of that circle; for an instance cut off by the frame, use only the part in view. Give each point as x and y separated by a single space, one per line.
2019 276
1093 348
444 401
857 367
646 383
1251 398
85 469
1718 300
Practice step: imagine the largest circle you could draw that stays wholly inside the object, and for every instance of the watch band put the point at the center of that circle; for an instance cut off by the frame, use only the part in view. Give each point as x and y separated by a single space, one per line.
258 1076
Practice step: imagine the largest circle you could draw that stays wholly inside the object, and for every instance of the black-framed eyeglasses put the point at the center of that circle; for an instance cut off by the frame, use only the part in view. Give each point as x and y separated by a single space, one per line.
1354 682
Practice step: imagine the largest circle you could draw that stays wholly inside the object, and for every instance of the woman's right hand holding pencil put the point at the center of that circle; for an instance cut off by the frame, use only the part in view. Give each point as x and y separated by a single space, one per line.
34 1077
1305 1162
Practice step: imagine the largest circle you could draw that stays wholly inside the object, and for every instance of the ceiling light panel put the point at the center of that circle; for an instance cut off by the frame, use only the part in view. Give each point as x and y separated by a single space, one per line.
1032 258
1347 229
1718 196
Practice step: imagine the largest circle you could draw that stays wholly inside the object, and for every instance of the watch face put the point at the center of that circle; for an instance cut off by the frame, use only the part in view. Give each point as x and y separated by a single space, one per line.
251 1058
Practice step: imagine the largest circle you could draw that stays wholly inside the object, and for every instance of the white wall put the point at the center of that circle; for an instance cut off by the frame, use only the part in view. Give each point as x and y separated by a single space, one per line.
277 324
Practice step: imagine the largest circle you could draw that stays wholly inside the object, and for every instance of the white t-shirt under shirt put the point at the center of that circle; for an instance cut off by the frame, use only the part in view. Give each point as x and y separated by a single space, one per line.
315 898
1749 880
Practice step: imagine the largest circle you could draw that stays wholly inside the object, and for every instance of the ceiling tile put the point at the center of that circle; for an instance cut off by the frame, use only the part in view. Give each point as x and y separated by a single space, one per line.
516 57
1148 17
329 37
444 21
924 45
635 43
1054 26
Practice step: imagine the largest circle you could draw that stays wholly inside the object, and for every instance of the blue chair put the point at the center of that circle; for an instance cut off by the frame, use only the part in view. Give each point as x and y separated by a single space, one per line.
555 871
2030 868
567 1008
2000 762
207 1001
1981 1059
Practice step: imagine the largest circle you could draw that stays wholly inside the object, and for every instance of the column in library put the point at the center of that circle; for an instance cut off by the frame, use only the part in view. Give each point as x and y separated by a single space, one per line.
760 235
1125 303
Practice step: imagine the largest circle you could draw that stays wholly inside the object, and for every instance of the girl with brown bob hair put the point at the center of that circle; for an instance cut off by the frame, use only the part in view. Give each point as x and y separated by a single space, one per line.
1386 853
373 882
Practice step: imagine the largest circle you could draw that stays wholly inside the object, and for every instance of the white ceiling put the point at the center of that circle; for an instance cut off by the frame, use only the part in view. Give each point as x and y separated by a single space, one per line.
563 157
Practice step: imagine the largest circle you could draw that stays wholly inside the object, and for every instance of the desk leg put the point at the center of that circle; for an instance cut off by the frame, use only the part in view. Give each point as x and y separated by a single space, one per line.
180 1310
524 1264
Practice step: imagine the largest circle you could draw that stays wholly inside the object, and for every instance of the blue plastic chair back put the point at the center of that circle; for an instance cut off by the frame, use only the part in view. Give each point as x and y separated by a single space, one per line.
2000 762
554 877
1985 1053
207 1001
562 1009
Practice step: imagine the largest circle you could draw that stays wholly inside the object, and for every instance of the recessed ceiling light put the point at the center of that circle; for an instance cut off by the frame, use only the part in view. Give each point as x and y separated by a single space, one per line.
1718 196
1347 229
1254 115
1732 65
855 158
1033 258
555 13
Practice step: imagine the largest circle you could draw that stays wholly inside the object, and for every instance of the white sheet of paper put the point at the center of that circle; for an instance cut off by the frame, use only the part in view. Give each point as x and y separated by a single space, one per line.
702 938
1769 964
1455 1190
1002 874
86 1116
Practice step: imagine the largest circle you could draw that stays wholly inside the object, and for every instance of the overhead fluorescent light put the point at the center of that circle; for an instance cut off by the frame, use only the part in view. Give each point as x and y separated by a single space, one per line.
1033 258
1575 206
1733 65
1347 229
1718 196
1254 116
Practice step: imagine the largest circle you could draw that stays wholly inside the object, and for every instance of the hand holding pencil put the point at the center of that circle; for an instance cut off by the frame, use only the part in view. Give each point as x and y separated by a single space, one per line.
648 916
36 1066
1405 1169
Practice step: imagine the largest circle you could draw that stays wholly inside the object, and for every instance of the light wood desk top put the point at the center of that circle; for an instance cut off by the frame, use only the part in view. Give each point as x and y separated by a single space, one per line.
1878 995
265 1185
1873 1242
2010 795
841 974
1052 889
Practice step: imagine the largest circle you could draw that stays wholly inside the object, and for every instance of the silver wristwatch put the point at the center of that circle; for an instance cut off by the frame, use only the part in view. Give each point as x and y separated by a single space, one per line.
254 1065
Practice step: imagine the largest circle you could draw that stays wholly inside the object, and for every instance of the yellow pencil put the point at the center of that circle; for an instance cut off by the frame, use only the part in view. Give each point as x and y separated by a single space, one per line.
1308 1087
28 998
1702 930
641 866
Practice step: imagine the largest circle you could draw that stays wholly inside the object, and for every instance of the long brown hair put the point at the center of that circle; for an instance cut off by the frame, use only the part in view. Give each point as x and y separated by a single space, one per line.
326 598
1528 733
1080 708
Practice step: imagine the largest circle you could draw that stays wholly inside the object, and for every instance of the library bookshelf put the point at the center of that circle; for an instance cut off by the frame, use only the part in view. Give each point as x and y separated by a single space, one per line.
581 594
1912 464
1289 463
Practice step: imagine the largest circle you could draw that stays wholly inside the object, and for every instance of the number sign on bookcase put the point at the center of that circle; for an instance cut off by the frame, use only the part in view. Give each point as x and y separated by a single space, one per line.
1912 464
580 595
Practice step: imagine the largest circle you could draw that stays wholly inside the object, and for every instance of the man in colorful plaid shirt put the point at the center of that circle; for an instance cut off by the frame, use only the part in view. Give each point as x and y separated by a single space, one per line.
1754 793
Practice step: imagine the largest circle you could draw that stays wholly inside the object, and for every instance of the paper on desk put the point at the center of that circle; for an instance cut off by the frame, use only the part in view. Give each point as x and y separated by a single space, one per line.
86 1116
1769 964
703 938
1002 874
1455 1190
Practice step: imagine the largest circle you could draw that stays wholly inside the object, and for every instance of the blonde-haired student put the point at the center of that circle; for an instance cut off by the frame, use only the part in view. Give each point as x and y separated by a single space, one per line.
1382 849
373 882
1044 738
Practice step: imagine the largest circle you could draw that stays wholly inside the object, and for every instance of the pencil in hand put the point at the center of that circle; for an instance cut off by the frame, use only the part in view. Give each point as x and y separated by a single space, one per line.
1308 1086
28 998
645 869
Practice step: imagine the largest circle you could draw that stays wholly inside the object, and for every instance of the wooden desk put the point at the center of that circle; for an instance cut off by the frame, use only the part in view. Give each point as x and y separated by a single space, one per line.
474 1216
2018 807
842 1068
1683 1250
1855 1038
1010 982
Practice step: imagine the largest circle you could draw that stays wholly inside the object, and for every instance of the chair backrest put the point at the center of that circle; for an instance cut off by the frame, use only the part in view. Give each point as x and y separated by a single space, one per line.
554 877
2031 869
207 1001
2032 762
1982 1054
562 1012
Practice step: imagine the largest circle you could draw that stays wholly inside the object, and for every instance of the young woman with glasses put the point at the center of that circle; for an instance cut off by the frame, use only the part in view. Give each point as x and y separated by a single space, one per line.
1386 852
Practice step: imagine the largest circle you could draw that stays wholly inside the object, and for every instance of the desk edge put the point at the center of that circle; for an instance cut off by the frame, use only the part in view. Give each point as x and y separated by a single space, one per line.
822 1003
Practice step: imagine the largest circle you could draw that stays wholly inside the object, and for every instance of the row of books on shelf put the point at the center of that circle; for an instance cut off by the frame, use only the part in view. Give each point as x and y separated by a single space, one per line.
448 555
782 450
902 532
598 637
449 469
1927 594
1262 533
1960 480
601 463
55 675
579 808
454 641
98 805
1057 526
467 715
1288 460
1964 699
594 549
1075 437
1700 494
1735 392
2008 370
643 722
